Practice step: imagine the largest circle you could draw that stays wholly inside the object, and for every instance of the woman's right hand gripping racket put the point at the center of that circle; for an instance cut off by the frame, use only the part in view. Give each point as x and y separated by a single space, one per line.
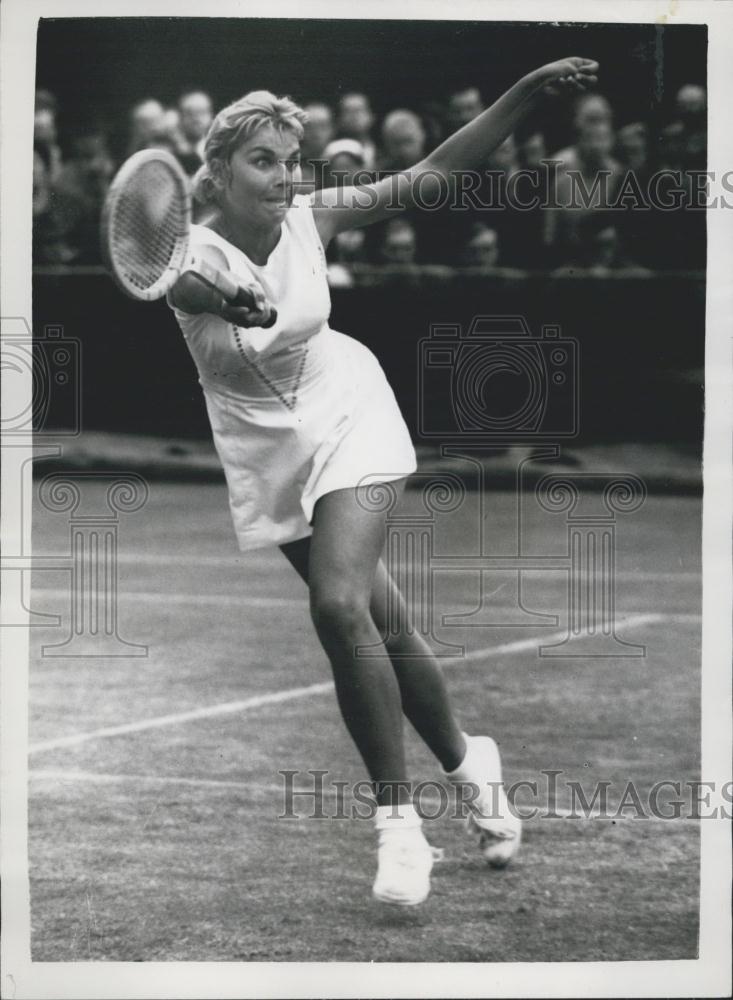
145 234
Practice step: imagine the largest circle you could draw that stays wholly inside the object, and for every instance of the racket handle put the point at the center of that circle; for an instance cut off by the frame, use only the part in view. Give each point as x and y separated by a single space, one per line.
246 299
229 287
272 320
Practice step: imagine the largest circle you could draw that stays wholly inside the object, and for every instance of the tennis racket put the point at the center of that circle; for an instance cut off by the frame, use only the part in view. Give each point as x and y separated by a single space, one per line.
146 225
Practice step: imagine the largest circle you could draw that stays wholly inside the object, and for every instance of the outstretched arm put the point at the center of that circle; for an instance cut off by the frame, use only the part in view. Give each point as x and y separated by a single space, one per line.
336 209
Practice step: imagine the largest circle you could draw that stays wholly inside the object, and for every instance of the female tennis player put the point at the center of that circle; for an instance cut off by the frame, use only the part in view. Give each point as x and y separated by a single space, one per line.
302 417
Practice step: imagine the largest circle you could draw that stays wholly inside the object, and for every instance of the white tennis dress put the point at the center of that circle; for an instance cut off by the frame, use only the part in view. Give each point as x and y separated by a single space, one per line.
297 410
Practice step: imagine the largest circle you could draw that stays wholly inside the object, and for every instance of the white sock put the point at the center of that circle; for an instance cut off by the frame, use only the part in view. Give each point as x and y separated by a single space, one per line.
397 819
475 766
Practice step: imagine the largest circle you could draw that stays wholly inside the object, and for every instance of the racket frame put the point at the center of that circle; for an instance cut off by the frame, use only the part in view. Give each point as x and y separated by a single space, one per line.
182 260
180 256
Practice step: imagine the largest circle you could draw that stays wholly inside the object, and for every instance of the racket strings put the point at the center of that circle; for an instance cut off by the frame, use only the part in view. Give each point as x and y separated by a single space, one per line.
149 224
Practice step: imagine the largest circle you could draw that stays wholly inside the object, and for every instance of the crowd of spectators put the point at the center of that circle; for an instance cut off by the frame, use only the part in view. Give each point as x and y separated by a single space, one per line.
492 230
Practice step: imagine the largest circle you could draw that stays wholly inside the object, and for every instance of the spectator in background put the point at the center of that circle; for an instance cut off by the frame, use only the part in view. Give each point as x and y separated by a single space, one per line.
318 132
348 247
345 160
403 140
147 125
463 106
482 248
691 104
591 155
599 252
399 243
403 144
680 234
171 121
504 157
49 244
590 110
81 187
531 150
671 146
195 115
355 121
501 214
523 233
432 115
637 230
632 147
45 135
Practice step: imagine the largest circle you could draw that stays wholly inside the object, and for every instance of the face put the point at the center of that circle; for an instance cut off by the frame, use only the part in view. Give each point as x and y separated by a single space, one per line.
691 100
464 107
343 168
533 151
44 125
603 247
593 110
596 142
195 116
404 143
318 129
483 250
355 116
92 156
257 185
633 150
146 119
399 246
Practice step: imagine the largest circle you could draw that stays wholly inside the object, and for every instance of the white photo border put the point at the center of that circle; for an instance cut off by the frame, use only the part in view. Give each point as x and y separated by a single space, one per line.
709 975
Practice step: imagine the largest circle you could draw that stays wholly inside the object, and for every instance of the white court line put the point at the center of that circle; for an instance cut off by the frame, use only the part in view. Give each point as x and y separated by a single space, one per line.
154 597
225 708
292 694
243 561
235 560
96 777
209 600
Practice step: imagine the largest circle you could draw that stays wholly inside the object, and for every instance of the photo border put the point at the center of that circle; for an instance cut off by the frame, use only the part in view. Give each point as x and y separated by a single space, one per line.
709 975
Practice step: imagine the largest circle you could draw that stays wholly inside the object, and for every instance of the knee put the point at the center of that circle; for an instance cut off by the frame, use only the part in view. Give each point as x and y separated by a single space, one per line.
338 613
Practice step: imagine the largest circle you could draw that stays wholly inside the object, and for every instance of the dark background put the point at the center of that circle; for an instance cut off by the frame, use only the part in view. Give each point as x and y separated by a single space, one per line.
98 67
641 341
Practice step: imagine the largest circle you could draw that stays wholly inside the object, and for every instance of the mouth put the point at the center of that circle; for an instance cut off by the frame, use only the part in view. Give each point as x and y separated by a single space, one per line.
279 201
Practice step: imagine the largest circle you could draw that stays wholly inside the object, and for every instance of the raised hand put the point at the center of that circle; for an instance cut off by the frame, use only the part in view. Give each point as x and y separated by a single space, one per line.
571 75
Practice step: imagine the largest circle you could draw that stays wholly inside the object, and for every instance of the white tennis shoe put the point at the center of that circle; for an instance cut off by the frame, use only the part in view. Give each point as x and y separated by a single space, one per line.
404 862
499 830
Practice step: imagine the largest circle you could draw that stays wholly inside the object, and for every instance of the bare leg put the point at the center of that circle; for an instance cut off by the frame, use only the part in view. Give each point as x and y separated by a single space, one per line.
424 697
343 554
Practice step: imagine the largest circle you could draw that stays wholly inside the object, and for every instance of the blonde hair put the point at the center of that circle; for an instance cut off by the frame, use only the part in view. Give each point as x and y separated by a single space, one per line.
235 124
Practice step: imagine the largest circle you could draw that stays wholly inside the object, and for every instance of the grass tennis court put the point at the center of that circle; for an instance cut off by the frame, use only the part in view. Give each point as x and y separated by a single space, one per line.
162 842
